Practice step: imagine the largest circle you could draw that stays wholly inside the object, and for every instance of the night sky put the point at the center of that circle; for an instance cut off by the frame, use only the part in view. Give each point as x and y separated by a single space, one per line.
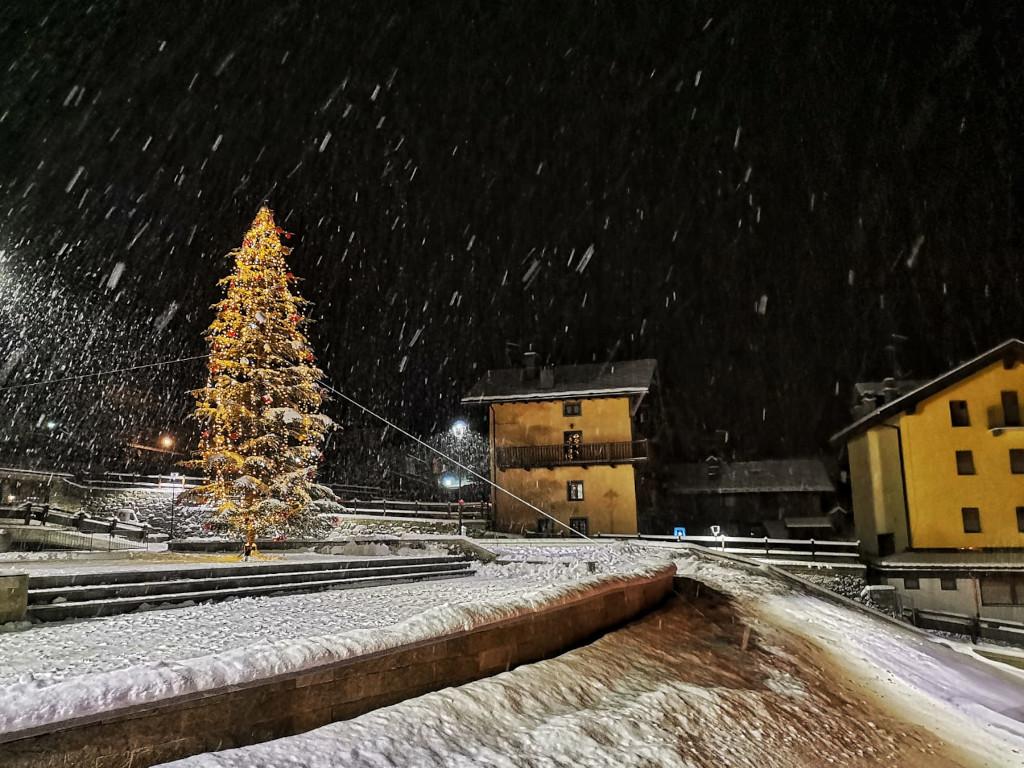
759 195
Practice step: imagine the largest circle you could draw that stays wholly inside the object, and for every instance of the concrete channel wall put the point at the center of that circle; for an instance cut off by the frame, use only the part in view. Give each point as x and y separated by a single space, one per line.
292 703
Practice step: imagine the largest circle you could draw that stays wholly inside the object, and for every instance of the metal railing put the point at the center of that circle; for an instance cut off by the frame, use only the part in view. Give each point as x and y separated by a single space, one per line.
813 550
27 513
976 627
569 454
440 510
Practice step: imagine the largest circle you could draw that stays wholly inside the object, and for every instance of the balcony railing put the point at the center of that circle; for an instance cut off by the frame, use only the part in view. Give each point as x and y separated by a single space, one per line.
529 456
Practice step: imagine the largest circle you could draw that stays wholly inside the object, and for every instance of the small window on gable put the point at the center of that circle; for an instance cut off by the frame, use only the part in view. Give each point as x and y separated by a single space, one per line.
965 462
911 583
1011 409
1017 461
948 584
574 490
958 415
972 519
572 408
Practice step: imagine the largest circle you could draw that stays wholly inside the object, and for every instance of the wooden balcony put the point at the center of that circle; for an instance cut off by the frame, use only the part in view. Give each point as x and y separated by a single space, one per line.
532 456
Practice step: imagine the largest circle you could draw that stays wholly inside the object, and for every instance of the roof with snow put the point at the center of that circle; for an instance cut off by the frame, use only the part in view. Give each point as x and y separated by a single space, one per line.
772 476
1010 352
628 377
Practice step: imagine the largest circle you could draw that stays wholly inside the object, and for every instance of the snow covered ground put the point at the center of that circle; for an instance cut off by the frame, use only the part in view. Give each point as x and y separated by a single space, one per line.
54 671
812 684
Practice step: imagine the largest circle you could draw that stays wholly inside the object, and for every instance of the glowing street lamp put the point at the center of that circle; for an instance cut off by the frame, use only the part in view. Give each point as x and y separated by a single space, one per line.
166 442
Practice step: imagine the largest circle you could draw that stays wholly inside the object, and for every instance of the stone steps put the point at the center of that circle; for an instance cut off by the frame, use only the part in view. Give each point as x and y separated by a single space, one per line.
174 587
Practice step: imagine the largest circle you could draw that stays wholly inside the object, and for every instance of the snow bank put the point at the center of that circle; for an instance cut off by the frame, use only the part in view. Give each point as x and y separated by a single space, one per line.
33 703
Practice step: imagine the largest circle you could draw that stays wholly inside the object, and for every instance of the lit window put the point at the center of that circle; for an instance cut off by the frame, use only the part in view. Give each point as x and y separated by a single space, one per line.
965 462
572 408
958 415
574 490
972 519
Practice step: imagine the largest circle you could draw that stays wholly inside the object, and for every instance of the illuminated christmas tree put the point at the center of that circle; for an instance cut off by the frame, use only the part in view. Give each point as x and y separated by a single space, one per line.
259 411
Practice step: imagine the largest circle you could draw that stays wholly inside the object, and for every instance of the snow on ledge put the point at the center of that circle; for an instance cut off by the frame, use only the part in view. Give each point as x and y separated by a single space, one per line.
34 704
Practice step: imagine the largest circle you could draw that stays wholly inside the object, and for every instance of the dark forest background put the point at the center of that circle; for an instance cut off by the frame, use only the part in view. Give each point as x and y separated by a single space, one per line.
775 200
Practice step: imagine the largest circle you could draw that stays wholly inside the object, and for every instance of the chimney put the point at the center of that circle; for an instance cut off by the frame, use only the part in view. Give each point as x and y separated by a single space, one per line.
547 377
530 366
889 390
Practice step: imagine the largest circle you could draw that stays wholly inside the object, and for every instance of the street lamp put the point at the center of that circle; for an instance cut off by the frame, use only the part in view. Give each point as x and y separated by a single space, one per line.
459 428
166 442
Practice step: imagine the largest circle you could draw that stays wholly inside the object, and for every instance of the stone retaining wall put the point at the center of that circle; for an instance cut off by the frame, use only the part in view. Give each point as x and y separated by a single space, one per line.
293 703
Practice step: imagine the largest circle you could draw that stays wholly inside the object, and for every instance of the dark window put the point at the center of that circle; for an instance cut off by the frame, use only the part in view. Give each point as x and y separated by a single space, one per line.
572 408
1020 519
580 525
1011 409
958 415
886 544
574 490
1002 590
573 445
543 525
965 462
972 519
911 583
1017 461
948 584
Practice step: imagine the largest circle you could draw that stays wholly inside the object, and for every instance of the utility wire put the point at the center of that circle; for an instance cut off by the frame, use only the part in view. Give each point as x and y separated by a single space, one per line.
103 373
445 456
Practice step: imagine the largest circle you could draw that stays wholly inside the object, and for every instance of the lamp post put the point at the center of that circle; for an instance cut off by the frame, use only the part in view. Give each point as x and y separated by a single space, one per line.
459 428
175 477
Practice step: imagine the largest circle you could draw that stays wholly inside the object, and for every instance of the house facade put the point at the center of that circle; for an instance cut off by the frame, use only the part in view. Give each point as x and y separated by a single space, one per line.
937 480
568 440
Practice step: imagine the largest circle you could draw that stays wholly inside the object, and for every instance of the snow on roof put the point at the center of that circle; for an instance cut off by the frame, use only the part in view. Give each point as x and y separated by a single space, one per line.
1011 350
965 560
772 476
628 377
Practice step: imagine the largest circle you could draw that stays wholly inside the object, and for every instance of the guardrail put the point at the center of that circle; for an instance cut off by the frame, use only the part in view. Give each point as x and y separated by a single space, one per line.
800 549
79 521
976 627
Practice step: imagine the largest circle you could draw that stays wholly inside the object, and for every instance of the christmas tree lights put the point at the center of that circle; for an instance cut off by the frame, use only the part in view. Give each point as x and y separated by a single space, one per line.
262 431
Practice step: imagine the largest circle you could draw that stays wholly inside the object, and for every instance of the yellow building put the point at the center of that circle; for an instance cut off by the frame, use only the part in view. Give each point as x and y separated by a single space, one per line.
566 439
942 466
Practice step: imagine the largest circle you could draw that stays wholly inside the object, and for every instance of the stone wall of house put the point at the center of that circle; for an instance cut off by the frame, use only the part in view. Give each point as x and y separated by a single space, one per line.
293 703
156 506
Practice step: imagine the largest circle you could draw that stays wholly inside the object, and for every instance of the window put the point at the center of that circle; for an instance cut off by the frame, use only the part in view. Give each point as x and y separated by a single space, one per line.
543 525
580 525
972 519
1002 590
572 408
1017 461
948 584
574 490
573 445
1020 519
958 415
1011 409
965 462
911 583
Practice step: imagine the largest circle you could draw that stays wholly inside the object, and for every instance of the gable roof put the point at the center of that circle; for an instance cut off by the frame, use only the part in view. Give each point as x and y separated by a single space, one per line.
628 377
1009 350
771 476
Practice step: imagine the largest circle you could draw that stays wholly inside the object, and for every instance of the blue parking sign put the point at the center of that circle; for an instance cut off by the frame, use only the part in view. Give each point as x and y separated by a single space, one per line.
679 532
